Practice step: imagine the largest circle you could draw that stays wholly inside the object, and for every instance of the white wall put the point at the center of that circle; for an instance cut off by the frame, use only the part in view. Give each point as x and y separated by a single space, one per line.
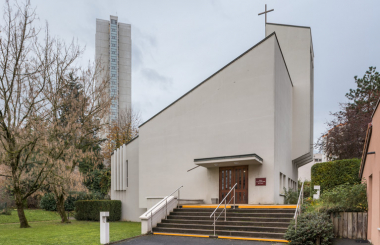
129 197
296 45
283 125
232 113
304 172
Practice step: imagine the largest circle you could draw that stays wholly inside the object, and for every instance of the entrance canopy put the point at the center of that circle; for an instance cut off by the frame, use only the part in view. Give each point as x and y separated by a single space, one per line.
225 161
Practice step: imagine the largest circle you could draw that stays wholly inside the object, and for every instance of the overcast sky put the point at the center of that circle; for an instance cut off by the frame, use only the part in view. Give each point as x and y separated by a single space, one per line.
176 44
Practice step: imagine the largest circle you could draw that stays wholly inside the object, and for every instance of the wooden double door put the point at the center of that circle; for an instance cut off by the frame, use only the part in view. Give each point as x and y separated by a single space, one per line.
228 177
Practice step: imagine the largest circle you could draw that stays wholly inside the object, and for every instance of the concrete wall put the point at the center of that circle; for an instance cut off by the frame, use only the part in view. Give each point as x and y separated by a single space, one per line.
125 45
232 113
283 92
102 41
371 174
130 196
102 53
296 45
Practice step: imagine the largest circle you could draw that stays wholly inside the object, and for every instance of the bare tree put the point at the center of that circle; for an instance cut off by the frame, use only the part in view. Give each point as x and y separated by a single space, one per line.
76 107
121 131
44 127
23 62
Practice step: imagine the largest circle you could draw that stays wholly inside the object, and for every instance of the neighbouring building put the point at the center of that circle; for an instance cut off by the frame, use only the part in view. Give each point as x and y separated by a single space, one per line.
250 123
370 173
304 172
113 50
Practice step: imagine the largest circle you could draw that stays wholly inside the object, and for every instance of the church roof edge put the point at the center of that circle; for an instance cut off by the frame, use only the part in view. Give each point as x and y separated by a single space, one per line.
308 27
127 143
257 44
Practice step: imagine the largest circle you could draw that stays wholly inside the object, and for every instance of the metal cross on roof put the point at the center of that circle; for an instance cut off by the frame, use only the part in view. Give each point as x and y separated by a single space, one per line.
265 12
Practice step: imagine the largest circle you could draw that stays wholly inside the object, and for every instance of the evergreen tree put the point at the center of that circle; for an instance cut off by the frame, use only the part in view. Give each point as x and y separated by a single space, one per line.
347 131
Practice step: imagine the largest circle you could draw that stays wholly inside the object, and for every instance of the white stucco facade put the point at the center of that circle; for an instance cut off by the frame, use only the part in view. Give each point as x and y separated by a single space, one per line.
244 114
297 47
125 183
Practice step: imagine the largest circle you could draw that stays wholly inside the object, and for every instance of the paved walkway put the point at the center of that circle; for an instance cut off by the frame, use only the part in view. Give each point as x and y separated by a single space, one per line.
347 242
175 240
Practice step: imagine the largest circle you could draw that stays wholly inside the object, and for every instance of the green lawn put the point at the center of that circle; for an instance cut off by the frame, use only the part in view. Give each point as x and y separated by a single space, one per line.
31 215
53 232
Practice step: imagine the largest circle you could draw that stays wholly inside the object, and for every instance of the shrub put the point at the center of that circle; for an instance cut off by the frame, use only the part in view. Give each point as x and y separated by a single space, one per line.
48 202
307 191
310 226
90 209
345 198
291 196
4 210
70 203
331 174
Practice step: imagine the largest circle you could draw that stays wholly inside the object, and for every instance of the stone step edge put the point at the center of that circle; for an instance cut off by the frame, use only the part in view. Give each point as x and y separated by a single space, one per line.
233 217
231 231
239 210
179 213
222 237
223 226
208 217
243 206
222 221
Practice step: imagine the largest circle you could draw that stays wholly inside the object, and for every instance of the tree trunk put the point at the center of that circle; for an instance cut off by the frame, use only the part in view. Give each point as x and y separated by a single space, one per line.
61 208
20 211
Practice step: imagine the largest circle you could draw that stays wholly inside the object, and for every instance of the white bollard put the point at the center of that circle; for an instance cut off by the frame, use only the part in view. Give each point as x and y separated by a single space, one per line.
104 228
317 195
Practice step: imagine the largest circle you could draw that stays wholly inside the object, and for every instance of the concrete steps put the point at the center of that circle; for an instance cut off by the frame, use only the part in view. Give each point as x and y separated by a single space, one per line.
269 224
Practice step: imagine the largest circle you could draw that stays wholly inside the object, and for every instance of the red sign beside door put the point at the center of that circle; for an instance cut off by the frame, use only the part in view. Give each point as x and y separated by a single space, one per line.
261 181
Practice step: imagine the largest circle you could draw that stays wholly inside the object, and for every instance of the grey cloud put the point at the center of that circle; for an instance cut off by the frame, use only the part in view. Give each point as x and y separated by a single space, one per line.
142 44
137 57
154 78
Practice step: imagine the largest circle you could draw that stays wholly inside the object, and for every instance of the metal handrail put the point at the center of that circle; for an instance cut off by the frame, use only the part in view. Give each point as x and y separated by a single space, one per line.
225 206
166 207
298 207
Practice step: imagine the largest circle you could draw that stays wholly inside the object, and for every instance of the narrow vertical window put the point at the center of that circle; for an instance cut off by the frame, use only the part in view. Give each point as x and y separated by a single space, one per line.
127 173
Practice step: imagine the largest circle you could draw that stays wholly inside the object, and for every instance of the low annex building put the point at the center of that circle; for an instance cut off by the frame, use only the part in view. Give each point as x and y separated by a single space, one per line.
370 173
250 123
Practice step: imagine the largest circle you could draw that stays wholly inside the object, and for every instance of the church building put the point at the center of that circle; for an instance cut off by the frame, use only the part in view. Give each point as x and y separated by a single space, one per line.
250 123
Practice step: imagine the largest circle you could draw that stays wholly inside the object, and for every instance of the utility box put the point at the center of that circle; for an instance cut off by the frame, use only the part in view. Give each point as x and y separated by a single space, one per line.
214 201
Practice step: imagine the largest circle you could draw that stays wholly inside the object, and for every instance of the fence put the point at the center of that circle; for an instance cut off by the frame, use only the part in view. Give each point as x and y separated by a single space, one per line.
350 225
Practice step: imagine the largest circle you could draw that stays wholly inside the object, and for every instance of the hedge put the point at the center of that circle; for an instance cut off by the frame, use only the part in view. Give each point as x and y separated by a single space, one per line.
90 209
331 174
